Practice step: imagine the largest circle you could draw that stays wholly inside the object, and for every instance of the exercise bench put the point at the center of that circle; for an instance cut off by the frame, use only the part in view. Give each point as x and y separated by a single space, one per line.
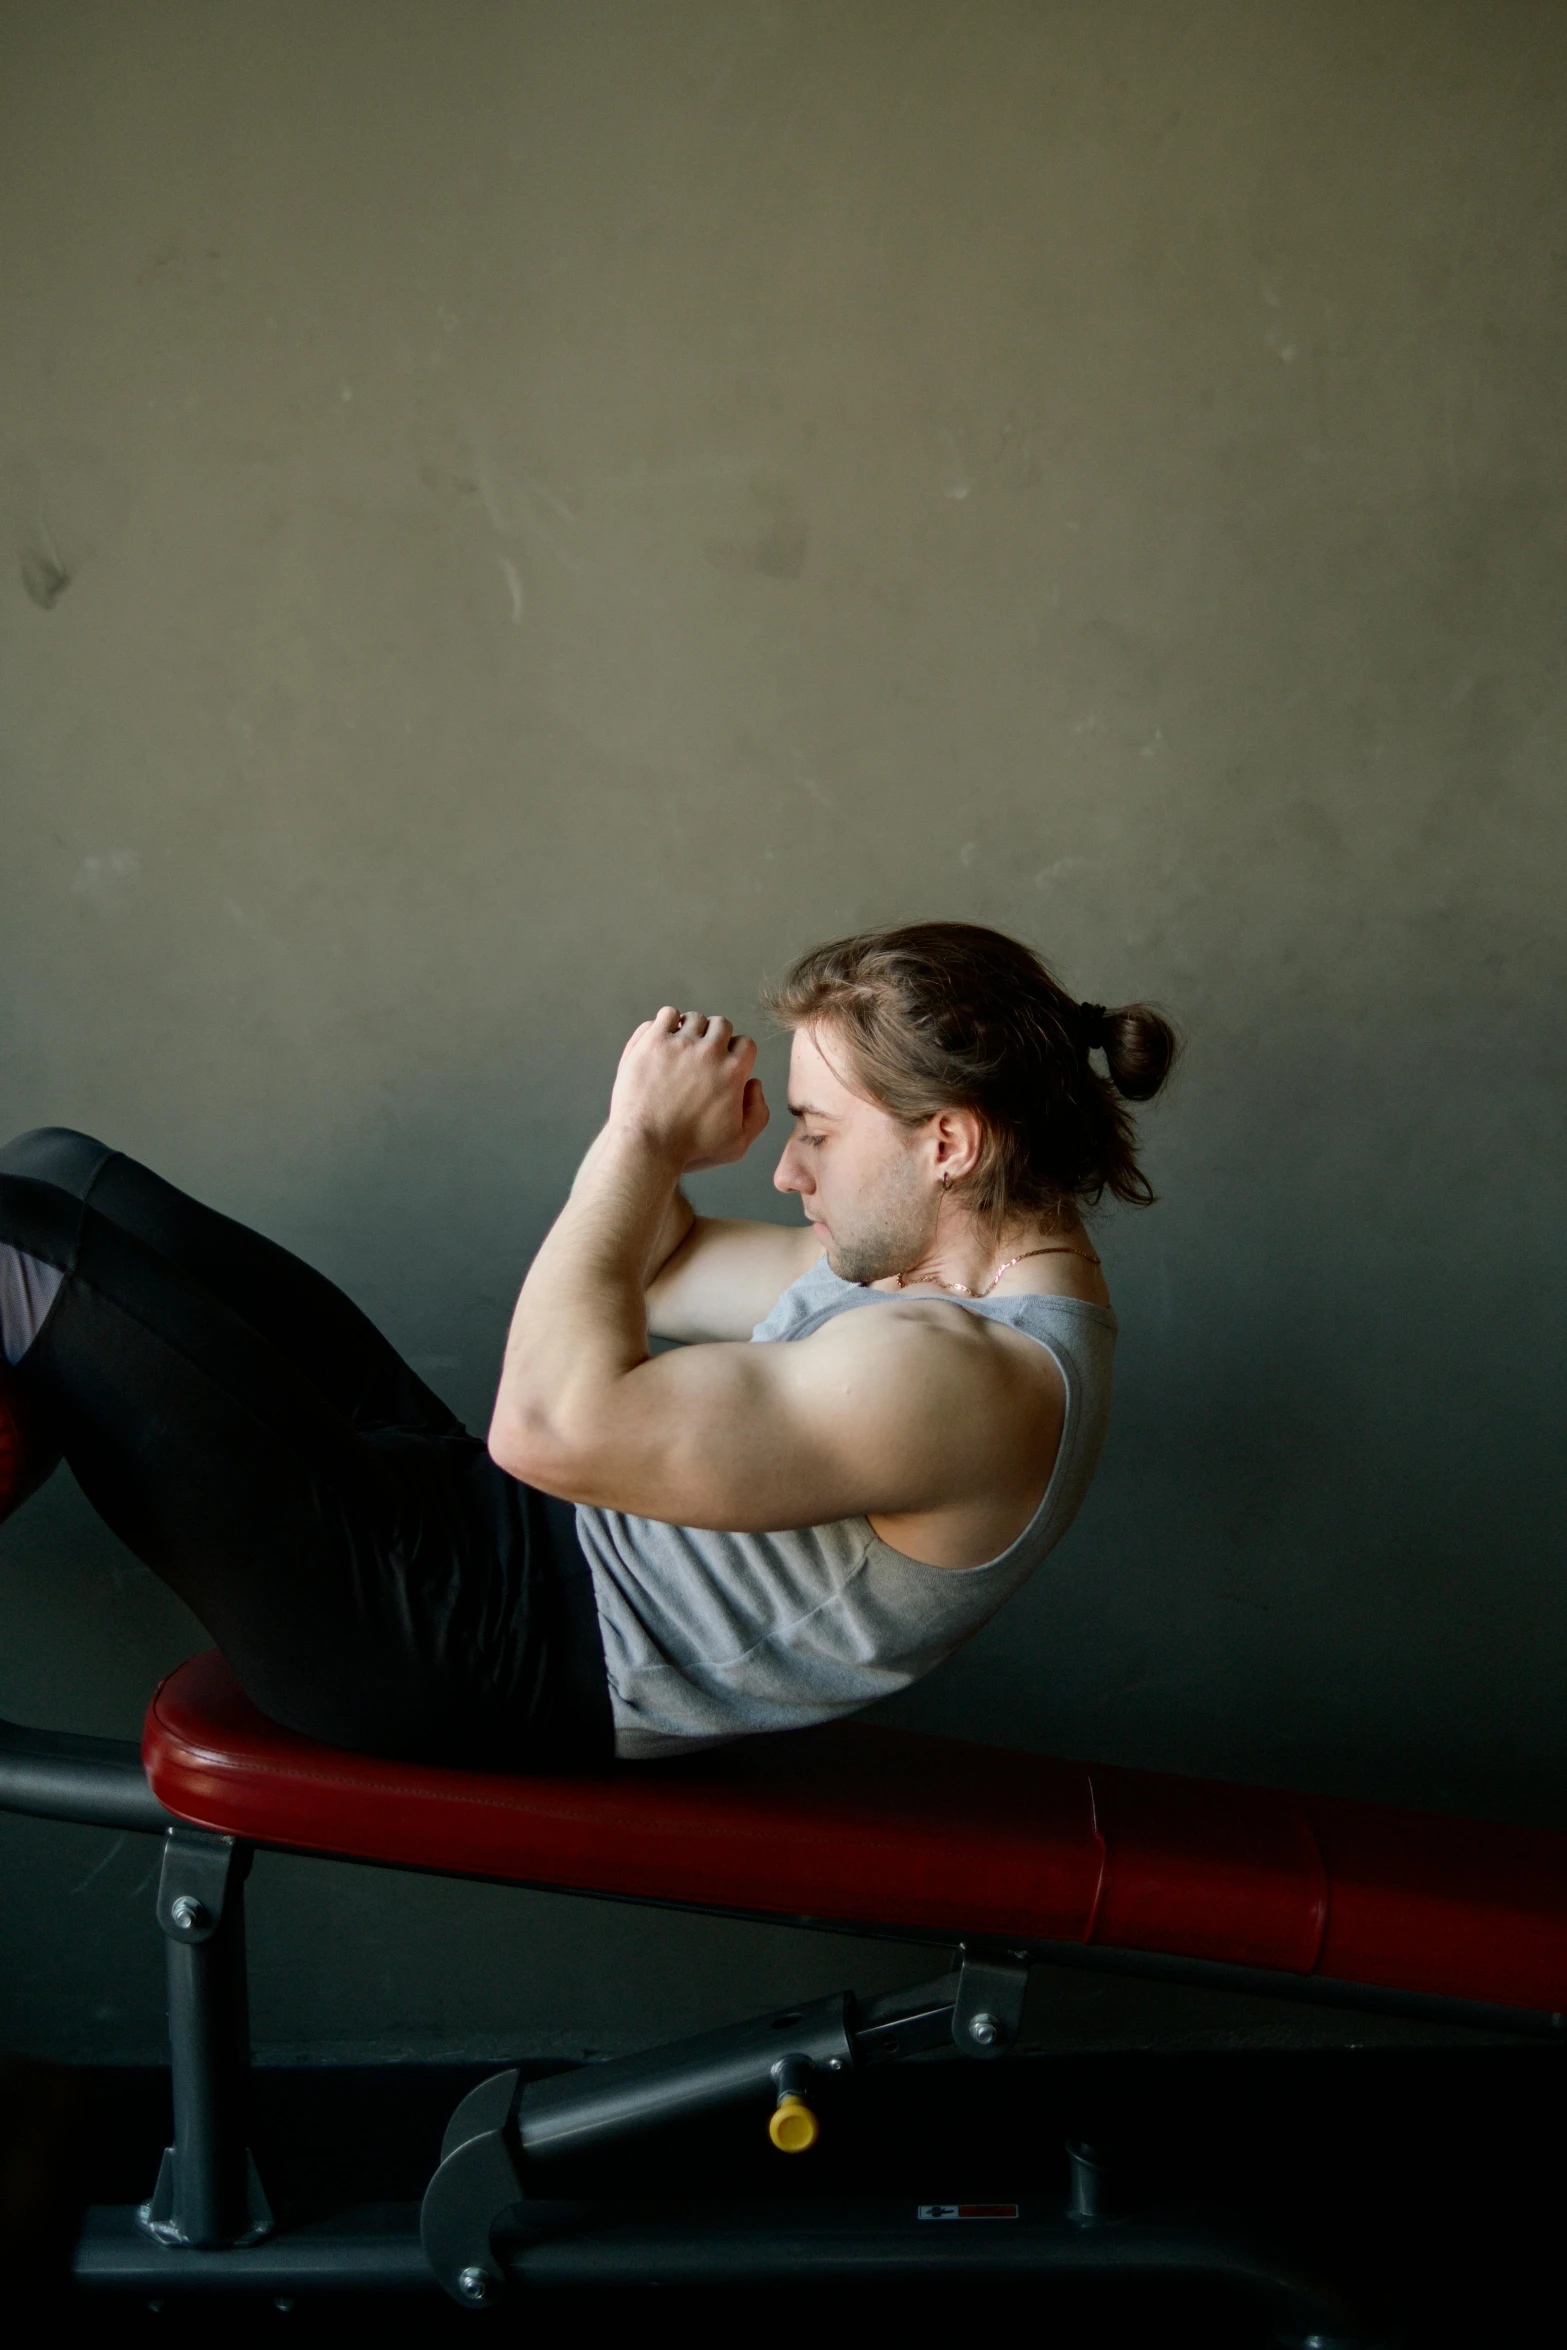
998 1859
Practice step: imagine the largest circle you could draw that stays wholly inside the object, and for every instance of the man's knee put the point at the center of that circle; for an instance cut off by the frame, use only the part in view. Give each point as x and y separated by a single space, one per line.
57 1155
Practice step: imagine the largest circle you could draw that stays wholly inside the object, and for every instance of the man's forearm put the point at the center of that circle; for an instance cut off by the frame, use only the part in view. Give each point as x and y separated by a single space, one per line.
581 1321
683 1096
679 1217
679 1222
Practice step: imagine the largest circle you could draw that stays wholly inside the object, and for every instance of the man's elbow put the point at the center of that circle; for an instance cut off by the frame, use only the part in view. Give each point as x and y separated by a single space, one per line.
537 1448
523 1443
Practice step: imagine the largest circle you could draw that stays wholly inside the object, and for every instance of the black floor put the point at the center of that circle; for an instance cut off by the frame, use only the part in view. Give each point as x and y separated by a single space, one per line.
1428 2183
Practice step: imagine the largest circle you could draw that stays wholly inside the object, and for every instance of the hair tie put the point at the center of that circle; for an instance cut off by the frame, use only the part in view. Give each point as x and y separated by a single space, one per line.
1093 1020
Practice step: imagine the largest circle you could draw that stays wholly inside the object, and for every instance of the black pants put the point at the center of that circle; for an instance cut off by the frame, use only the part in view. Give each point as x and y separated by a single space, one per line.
372 1577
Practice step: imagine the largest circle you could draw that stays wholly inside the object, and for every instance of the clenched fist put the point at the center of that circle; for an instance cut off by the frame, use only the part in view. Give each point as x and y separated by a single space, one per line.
685 1083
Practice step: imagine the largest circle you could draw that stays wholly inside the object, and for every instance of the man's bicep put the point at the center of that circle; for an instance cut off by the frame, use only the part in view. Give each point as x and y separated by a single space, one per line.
725 1277
756 1439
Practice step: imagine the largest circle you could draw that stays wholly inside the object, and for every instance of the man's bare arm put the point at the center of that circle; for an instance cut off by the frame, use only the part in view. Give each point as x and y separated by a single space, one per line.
679 1219
911 1413
717 1276
724 1276
684 1097
914 1416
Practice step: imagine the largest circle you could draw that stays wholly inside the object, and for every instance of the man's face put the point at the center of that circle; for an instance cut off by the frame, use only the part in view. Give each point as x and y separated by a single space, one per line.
865 1181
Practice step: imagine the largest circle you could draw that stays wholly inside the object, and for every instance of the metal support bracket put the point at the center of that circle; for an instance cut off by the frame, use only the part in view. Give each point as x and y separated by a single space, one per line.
477 2181
501 2137
194 1881
208 2193
987 2014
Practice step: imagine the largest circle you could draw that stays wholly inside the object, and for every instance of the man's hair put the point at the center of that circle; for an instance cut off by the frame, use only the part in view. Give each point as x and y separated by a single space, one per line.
945 1015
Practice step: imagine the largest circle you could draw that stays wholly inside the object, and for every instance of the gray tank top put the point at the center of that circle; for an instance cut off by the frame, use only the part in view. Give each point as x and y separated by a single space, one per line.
710 1636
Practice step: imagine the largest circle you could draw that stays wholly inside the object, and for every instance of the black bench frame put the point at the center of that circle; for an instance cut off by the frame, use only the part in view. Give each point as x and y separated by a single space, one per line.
487 2228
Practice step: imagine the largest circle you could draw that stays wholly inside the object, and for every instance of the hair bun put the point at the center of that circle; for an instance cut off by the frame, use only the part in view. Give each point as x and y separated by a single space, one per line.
1140 1048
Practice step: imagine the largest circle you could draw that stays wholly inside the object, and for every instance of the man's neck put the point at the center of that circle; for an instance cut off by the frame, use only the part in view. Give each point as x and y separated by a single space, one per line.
967 1252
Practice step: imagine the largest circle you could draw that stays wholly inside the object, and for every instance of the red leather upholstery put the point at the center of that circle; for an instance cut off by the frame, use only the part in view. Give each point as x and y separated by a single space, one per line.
12 1450
25 1456
882 1827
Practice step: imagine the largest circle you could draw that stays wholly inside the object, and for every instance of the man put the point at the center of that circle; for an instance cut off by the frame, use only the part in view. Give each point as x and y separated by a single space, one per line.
876 1429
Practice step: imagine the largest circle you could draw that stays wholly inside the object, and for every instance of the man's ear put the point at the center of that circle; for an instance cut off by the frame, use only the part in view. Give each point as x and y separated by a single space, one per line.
959 1138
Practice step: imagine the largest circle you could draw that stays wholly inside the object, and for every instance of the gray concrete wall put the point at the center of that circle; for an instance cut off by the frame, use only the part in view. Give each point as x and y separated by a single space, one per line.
517 511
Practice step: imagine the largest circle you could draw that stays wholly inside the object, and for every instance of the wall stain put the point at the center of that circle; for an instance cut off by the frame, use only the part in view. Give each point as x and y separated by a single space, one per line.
778 550
44 576
45 573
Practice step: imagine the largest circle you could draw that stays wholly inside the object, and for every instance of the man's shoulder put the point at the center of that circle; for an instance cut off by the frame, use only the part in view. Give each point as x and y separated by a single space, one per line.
927 1333
929 1379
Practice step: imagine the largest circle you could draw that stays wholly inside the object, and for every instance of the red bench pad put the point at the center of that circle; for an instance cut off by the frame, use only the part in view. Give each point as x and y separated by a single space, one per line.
887 1828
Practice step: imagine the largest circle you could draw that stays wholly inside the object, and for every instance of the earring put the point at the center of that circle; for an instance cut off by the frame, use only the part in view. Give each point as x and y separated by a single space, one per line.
945 1181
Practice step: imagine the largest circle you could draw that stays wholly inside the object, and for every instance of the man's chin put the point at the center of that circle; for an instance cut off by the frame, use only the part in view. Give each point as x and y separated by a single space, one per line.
861 1266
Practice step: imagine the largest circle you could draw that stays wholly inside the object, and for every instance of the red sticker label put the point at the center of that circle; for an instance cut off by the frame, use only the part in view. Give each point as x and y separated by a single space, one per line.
968 2211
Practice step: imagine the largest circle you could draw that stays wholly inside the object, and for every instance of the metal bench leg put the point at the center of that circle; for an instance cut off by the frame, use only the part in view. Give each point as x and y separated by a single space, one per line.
208 2193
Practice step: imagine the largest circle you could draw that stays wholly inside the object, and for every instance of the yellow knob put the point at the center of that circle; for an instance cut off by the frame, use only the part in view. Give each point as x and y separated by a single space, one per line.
794 2129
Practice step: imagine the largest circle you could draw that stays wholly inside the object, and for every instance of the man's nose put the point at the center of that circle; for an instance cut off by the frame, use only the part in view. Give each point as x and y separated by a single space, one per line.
784 1176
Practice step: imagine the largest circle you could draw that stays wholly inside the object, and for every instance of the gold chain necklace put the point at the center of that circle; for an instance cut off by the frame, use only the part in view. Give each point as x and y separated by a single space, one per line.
1060 1249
